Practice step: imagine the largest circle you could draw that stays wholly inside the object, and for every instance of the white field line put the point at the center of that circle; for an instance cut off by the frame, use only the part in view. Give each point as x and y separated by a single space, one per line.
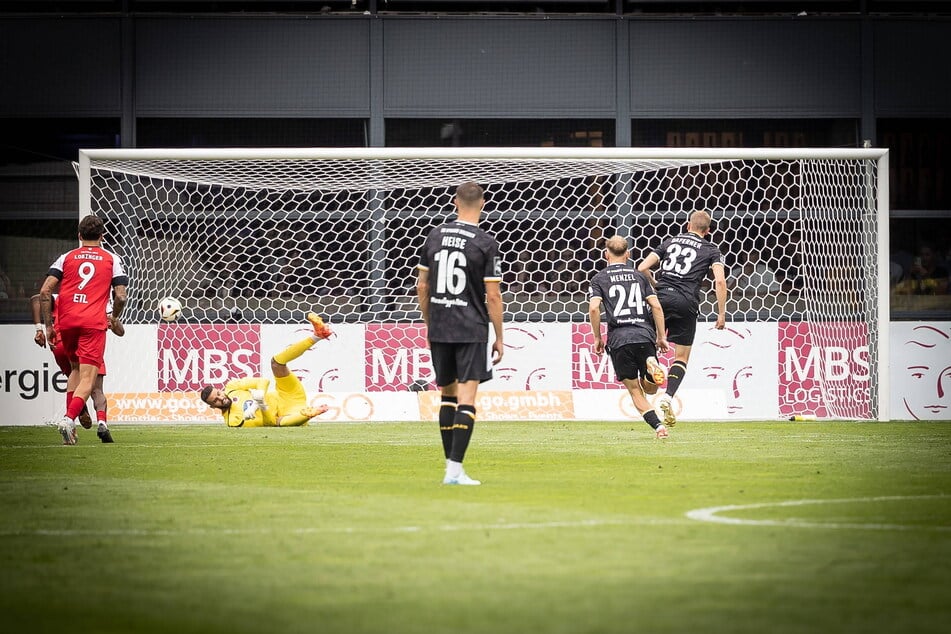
712 514
443 528
706 515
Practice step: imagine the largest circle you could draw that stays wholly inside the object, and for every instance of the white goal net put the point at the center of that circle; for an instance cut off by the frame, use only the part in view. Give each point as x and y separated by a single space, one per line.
251 237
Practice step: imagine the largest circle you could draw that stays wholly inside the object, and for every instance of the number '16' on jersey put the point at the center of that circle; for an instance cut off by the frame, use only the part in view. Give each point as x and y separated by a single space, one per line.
460 258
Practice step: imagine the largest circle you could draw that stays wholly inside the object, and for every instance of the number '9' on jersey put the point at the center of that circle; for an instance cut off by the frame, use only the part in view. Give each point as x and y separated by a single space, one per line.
86 276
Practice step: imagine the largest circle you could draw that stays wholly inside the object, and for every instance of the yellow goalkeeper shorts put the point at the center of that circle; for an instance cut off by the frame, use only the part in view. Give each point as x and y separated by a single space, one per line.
291 396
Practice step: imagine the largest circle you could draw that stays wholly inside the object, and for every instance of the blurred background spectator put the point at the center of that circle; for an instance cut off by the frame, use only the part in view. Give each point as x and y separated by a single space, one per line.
6 287
755 278
566 276
927 274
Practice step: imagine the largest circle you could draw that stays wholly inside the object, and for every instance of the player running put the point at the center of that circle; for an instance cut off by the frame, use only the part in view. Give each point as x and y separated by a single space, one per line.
99 400
247 403
685 260
88 277
635 327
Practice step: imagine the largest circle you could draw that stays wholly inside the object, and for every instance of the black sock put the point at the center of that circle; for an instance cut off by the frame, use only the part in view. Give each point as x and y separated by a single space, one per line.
462 431
675 376
651 417
447 416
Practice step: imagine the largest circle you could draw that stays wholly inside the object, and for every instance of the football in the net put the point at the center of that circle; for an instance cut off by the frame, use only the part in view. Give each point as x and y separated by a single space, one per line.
170 309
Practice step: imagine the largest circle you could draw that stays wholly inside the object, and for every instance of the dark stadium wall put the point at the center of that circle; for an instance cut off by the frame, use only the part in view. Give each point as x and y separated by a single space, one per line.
473 66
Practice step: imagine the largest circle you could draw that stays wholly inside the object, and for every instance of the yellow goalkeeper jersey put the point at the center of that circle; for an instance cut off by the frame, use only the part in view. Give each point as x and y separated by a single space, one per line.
239 391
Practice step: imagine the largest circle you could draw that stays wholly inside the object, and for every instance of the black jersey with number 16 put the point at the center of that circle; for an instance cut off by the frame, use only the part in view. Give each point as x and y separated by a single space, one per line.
460 258
685 260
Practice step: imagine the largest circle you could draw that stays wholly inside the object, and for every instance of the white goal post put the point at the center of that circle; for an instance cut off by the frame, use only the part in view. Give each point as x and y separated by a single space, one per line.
260 236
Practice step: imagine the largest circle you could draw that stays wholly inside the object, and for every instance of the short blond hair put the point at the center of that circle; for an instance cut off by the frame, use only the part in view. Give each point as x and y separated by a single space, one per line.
699 221
470 194
616 245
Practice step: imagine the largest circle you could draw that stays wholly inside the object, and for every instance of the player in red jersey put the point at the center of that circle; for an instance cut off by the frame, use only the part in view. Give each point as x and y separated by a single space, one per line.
99 399
87 278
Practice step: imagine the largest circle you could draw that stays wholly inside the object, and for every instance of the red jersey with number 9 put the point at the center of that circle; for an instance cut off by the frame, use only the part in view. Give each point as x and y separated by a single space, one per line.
86 277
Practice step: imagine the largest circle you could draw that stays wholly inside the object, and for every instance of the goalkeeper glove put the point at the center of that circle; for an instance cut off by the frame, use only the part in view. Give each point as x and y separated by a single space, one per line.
250 409
258 396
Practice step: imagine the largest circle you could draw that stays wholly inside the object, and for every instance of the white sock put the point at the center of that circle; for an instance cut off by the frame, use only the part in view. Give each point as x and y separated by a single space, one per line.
453 469
102 426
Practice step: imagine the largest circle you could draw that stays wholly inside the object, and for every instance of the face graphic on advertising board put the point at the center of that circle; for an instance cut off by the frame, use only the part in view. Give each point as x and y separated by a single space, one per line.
523 367
726 361
923 377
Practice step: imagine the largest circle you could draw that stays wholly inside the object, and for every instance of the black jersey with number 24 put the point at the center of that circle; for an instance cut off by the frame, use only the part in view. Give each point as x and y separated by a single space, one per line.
624 292
460 258
685 261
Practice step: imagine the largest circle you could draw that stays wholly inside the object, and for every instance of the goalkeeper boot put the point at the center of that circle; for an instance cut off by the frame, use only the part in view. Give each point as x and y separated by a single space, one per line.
104 434
85 419
311 412
321 330
67 429
656 370
661 432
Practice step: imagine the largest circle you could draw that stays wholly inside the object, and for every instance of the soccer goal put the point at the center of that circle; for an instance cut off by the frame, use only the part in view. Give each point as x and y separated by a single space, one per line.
245 237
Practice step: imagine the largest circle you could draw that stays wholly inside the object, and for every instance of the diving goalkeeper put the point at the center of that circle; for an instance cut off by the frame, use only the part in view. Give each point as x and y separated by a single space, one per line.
247 403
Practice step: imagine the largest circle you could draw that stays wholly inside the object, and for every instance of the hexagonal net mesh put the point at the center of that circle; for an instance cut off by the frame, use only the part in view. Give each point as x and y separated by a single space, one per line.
266 240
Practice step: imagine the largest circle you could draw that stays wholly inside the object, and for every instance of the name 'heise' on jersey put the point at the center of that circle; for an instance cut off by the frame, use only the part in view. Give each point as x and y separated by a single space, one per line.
455 237
454 242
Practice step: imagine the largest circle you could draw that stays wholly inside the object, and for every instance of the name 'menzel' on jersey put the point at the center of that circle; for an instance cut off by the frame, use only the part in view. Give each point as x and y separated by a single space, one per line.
635 294
623 293
623 276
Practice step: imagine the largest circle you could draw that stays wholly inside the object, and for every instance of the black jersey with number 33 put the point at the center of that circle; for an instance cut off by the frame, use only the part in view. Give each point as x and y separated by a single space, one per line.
460 258
685 261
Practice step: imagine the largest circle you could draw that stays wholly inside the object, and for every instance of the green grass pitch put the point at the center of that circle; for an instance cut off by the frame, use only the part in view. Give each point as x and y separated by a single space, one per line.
578 527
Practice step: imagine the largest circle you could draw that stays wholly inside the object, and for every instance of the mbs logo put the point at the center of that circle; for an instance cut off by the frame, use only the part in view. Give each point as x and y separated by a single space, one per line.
192 356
